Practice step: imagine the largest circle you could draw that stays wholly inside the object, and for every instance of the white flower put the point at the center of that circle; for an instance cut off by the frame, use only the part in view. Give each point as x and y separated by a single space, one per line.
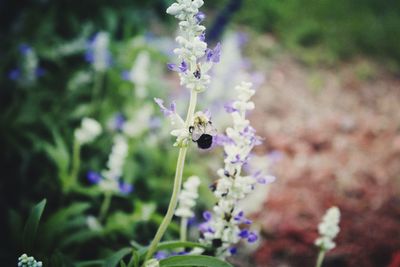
88 131
139 123
328 229
232 186
139 74
115 164
194 58
26 261
187 197
98 53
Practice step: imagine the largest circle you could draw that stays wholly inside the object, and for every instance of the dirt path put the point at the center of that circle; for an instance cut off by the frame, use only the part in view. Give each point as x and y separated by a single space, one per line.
338 131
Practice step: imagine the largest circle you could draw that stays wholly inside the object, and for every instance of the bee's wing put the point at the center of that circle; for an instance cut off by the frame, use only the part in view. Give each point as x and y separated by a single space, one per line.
210 129
196 133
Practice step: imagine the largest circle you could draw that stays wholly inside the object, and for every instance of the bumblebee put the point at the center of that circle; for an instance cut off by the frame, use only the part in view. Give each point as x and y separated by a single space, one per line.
202 131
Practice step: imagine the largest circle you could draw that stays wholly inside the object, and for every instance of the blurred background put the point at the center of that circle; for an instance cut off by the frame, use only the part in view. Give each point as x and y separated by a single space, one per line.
327 75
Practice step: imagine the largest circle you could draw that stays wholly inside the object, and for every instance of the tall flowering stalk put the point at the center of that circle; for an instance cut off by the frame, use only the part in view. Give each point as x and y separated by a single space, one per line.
187 201
222 229
194 63
86 133
328 229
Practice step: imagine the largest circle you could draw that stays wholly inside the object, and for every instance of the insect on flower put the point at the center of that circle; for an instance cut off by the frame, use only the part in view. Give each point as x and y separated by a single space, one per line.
202 131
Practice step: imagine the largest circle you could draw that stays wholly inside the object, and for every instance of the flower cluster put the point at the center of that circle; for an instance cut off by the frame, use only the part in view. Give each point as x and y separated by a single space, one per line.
222 230
88 131
97 52
109 180
29 69
193 48
187 197
26 261
139 74
328 229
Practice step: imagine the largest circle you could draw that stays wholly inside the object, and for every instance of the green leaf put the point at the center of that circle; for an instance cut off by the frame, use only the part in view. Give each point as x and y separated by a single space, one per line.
114 259
191 261
172 245
32 224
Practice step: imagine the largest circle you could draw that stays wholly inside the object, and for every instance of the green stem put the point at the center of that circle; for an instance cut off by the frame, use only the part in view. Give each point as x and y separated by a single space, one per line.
98 80
76 162
184 222
320 258
105 206
177 183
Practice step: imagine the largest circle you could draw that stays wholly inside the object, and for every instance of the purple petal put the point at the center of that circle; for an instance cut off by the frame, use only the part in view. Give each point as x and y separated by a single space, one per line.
233 250
183 67
207 215
229 108
244 233
160 255
200 17
125 188
89 56
216 53
93 177
202 37
14 74
126 75
119 121
252 237
167 112
39 72
24 48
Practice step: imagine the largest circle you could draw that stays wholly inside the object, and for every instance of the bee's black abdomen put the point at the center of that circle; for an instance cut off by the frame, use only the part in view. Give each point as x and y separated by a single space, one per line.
205 141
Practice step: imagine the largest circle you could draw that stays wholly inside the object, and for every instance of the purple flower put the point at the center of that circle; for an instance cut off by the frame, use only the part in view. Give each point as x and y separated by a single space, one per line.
202 37
14 74
252 237
244 233
205 228
93 177
39 72
200 17
207 215
229 108
214 54
125 188
125 75
239 216
89 56
166 111
232 250
183 67
275 156
221 139
24 48
263 179
118 122
160 255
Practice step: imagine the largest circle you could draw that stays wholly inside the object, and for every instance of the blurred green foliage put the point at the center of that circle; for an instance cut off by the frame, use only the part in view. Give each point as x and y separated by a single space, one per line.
328 30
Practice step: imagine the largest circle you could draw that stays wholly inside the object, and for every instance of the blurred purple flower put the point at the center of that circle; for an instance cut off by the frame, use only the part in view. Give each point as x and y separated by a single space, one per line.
160 255
207 215
24 48
166 111
183 67
252 237
14 74
125 188
200 17
39 72
233 250
214 54
125 75
93 177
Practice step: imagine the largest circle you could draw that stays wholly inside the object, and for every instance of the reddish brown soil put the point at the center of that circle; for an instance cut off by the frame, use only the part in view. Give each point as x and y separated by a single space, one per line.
339 133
